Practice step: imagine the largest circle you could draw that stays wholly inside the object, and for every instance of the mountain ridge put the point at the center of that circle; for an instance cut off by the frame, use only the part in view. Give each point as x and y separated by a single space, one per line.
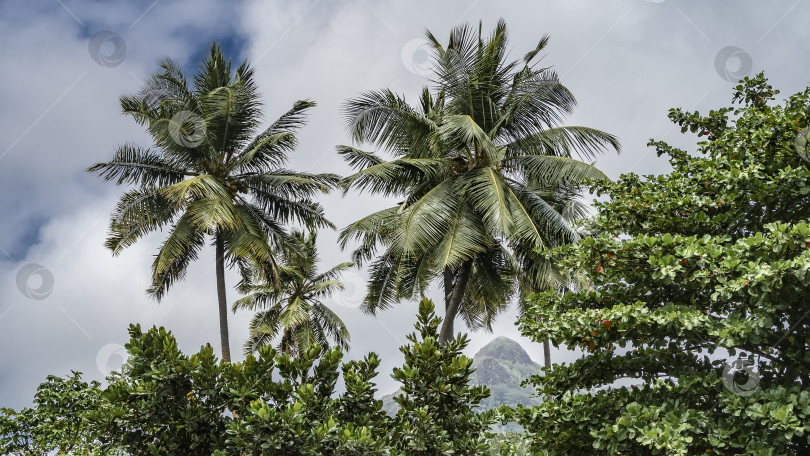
501 365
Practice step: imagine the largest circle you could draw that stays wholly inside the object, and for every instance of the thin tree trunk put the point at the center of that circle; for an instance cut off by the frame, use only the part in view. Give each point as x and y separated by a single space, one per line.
223 301
453 305
547 342
448 286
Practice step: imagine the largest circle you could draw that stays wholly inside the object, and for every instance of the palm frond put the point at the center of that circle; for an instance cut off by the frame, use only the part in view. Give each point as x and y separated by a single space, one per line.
270 148
537 101
197 187
134 165
465 238
137 213
254 247
398 176
303 211
357 158
386 120
382 284
264 327
213 214
551 169
462 130
426 219
371 230
178 250
333 325
533 53
490 290
572 141
486 191
550 225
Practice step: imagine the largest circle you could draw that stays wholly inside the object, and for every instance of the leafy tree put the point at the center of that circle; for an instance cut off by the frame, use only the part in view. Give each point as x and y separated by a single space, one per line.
163 402
55 422
479 165
210 176
437 414
293 308
167 403
698 299
300 415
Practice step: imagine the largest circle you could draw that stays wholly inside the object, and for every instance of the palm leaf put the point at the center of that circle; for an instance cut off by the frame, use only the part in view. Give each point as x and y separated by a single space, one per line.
426 220
271 146
486 191
552 169
179 249
137 213
357 158
386 120
564 142
134 165
465 238
398 176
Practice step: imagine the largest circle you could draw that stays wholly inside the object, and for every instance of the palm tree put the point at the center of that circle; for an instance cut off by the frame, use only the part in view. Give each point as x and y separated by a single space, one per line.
210 176
478 166
294 309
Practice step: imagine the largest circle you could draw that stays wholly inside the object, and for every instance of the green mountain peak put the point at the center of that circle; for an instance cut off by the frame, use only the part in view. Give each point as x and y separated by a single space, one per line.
501 365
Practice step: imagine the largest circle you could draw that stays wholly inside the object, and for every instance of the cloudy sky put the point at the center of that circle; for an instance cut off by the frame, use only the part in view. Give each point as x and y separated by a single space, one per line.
65 302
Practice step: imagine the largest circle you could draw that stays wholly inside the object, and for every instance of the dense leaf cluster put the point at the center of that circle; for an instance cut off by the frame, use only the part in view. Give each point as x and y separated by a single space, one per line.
163 402
694 317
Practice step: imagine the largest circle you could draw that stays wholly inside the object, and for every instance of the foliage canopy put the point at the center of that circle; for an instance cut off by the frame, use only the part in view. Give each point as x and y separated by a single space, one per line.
697 296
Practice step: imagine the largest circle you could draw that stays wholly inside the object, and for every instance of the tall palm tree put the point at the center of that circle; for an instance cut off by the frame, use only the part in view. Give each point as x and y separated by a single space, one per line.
478 165
210 176
294 308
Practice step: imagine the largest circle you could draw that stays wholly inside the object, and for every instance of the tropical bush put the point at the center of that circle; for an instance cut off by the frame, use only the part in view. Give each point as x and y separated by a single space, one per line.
696 298
163 402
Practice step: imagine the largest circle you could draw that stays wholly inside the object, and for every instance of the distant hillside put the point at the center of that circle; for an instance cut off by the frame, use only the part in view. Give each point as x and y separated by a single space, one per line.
501 365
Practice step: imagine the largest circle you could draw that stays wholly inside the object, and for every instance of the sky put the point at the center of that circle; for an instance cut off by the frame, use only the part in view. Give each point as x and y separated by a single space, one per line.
66 302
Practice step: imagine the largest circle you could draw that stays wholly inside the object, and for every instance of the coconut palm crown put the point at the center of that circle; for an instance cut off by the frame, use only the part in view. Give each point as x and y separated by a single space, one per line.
486 174
211 175
294 309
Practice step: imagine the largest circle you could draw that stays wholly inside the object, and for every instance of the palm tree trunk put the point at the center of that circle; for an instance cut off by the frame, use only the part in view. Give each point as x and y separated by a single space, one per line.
547 342
448 286
223 301
454 303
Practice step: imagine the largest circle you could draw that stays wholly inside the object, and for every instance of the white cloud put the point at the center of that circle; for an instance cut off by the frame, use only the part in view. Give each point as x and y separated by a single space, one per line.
94 298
